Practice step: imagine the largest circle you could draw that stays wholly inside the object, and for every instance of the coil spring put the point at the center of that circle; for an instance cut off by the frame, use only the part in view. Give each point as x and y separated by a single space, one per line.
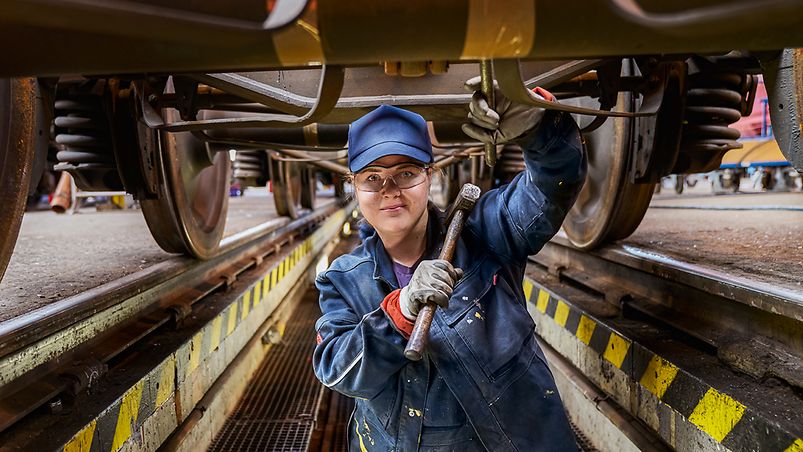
82 131
249 166
713 102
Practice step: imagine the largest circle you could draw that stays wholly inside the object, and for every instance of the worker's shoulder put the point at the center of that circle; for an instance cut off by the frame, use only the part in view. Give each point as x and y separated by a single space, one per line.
348 263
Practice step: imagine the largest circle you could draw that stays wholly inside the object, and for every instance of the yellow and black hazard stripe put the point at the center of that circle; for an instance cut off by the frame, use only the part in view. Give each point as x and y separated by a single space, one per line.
117 423
126 416
726 420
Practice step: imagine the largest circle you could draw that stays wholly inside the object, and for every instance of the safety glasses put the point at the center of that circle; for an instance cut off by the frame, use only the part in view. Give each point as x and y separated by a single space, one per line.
404 175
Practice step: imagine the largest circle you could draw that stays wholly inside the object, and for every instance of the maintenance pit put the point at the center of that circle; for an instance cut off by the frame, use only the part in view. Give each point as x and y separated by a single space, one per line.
717 233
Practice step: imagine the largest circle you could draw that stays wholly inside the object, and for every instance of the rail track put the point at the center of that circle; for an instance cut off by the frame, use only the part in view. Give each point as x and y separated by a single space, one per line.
53 356
672 354
703 358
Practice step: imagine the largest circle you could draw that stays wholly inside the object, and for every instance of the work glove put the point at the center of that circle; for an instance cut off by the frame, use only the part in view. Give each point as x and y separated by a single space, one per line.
509 121
432 282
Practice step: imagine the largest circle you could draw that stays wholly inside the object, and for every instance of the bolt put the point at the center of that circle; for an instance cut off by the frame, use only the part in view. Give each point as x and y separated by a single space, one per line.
272 336
55 406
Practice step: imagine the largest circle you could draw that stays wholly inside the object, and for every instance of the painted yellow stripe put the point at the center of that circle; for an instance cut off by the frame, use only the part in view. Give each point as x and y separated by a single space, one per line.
616 350
167 381
797 446
232 319
274 277
494 31
543 299
281 270
585 329
528 289
195 350
257 293
82 442
126 420
561 313
246 305
716 414
658 376
214 335
265 286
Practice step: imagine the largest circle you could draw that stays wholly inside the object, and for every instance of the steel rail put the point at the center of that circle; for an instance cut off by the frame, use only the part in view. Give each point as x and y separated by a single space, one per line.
126 310
754 294
725 314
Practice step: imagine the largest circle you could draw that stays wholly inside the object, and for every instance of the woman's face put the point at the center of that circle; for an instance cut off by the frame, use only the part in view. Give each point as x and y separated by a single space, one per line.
392 210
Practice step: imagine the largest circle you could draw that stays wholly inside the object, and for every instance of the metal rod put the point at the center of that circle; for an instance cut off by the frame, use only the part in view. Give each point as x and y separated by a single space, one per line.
487 87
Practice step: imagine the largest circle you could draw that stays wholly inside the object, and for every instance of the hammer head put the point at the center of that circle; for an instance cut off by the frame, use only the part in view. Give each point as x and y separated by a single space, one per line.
466 199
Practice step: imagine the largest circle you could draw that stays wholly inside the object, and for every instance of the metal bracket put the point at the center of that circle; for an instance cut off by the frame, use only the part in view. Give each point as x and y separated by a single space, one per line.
655 151
187 92
609 78
329 89
508 75
179 311
83 375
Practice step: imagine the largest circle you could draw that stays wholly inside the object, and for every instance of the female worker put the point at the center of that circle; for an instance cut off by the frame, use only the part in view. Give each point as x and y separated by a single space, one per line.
483 383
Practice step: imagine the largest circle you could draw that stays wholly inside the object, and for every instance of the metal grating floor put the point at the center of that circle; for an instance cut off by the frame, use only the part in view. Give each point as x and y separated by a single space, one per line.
279 410
285 408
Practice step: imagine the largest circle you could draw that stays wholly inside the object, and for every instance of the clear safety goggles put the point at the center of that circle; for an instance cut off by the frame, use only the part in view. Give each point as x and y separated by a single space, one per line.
404 175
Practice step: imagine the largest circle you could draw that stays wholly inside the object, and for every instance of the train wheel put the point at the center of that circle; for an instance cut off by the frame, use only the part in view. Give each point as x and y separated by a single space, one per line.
783 77
609 207
309 188
17 150
285 178
189 213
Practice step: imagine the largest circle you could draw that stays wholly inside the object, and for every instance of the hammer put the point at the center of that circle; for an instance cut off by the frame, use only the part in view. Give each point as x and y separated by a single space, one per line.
466 199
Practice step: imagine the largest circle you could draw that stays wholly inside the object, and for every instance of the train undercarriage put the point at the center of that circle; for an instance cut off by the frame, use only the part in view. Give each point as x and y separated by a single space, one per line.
151 99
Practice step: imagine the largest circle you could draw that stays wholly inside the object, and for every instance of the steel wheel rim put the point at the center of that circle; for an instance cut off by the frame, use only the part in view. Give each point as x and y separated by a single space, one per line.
609 207
199 190
285 180
17 118
189 215
309 186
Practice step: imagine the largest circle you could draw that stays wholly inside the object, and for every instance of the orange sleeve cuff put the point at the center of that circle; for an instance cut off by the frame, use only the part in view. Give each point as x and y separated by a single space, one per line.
544 93
391 307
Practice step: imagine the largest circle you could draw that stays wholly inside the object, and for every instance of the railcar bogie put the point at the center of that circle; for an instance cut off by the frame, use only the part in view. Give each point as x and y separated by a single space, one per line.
163 129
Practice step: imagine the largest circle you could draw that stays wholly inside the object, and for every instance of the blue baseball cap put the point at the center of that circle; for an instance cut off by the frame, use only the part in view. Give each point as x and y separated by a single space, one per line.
385 131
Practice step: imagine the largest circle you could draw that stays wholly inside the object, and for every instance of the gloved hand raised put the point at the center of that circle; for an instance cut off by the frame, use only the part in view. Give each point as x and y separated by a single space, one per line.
509 121
432 282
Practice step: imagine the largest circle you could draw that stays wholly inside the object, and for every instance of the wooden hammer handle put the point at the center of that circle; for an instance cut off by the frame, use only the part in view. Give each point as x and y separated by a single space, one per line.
420 335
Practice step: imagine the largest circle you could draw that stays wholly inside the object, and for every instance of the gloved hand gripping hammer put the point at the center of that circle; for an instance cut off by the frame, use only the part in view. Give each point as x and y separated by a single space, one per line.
466 199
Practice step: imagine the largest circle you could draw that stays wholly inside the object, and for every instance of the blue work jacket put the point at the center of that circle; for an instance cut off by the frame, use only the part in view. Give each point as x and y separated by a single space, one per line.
484 382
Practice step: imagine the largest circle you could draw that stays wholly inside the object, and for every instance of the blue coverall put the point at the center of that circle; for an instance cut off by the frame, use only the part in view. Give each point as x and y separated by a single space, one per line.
484 382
